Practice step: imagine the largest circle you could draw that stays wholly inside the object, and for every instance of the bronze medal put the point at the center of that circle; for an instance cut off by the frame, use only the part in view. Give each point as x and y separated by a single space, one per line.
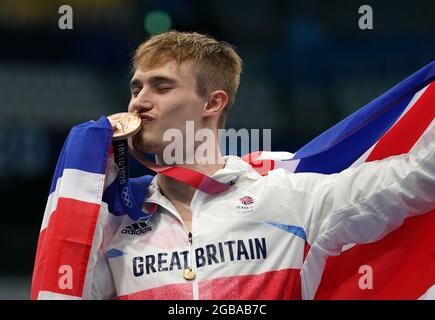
125 124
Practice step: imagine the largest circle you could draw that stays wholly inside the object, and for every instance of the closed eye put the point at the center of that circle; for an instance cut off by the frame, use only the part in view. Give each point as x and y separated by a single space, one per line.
162 84
135 92
163 89
135 87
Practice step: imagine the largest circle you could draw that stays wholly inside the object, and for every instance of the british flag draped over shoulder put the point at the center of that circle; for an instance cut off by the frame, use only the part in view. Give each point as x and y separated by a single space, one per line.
399 265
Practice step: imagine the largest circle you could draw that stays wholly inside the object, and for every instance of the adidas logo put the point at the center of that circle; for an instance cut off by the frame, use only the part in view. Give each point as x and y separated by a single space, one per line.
137 228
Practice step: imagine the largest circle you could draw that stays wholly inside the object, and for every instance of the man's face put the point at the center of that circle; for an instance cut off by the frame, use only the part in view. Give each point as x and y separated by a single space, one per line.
165 98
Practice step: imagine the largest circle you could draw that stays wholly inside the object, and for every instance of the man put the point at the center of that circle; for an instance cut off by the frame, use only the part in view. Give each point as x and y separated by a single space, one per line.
181 77
248 242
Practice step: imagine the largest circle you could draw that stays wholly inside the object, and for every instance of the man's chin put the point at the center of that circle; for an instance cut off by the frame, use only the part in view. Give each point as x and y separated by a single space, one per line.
146 146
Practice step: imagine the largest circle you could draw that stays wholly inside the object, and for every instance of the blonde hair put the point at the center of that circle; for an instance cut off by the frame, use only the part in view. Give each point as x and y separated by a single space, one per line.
218 65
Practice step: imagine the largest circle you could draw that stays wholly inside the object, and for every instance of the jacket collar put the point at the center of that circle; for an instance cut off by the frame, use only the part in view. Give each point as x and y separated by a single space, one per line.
234 169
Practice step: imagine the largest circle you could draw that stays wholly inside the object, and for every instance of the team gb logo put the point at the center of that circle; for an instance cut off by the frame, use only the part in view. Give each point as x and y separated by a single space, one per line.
245 205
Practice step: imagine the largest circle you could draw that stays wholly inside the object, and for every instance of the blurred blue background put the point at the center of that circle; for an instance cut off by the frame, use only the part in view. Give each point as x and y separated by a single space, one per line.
307 65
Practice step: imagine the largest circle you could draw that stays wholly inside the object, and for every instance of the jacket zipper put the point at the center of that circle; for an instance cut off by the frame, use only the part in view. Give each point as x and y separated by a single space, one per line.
191 248
192 268
191 260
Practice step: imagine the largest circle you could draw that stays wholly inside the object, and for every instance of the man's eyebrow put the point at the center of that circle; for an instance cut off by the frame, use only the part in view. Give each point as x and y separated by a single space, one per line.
155 80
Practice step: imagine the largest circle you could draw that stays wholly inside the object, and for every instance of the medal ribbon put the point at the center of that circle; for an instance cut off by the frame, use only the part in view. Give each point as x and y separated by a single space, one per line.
120 149
191 177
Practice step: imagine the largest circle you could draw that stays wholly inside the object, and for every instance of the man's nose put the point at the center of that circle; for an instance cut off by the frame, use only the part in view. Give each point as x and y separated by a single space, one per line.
140 104
139 107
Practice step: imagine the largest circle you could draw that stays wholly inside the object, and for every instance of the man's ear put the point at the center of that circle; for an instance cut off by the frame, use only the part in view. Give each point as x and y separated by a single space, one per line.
216 103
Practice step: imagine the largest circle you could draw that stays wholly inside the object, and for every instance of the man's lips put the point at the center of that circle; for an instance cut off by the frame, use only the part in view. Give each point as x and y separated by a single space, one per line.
146 118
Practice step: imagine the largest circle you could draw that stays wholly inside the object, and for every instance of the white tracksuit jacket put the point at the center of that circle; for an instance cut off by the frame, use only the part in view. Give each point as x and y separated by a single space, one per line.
249 242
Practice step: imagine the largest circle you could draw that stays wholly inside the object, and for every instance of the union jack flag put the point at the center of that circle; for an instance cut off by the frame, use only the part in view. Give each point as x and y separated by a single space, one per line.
402 263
